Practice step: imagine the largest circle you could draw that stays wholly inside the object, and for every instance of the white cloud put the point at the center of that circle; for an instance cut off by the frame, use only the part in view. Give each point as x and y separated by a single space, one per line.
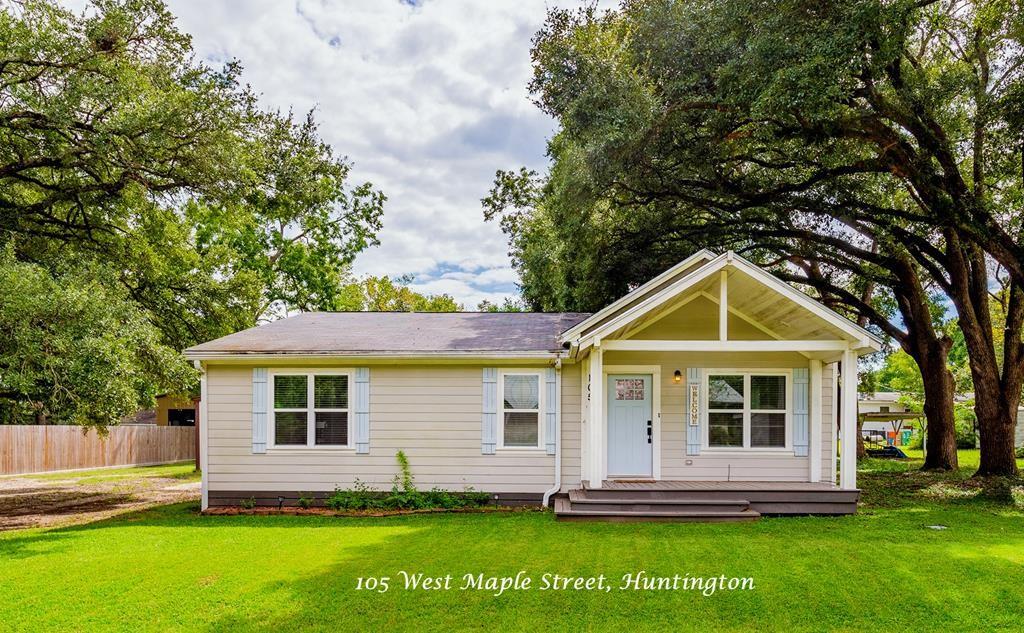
427 100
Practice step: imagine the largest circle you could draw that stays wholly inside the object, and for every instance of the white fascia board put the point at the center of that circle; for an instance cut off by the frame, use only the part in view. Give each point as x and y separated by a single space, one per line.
380 357
575 331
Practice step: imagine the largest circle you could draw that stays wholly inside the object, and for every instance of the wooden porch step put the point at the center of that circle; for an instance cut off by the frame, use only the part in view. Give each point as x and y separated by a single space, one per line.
566 510
674 503
767 498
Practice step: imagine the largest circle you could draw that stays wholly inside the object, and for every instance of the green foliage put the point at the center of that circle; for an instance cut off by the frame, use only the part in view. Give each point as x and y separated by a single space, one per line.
305 500
248 504
966 424
509 304
360 496
403 495
916 441
128 162
769 129
74 349
383 294
901 373
403 487
403 480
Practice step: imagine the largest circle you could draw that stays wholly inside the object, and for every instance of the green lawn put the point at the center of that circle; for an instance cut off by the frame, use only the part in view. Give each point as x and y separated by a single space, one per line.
185 471
881 569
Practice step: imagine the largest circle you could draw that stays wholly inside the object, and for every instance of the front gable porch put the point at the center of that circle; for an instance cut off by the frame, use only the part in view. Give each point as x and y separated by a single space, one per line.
743 373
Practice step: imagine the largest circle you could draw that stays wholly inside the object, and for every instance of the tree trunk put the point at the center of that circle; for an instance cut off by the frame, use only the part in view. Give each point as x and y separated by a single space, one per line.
997 394
997 419
940 447
861 451
930 350
997 388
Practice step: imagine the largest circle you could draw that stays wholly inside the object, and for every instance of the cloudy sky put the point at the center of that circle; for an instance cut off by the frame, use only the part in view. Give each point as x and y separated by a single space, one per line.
427 98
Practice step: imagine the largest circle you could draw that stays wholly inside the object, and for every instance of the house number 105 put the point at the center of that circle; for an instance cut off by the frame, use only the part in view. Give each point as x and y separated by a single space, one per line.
372 583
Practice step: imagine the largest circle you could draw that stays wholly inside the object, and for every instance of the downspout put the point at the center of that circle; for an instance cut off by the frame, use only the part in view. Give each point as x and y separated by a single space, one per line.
204 437
558 434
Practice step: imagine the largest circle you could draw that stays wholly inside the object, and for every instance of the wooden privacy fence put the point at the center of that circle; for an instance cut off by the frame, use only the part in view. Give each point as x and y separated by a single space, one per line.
41 448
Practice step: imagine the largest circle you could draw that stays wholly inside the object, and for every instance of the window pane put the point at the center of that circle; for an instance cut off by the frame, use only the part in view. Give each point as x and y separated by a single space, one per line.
521 429
725 392
768 429
330 392
629 389
331 427
290 428
768 392
290 392
522 392
725 429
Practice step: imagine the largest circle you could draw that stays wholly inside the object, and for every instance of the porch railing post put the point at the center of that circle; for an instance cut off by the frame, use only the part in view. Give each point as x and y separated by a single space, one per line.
815 420
596 419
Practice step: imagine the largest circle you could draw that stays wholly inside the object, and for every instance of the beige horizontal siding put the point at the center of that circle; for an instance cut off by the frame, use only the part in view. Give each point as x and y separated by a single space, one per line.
432 412
676 464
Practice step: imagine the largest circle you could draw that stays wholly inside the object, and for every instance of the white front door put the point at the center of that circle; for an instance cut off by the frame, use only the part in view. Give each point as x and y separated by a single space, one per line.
630 428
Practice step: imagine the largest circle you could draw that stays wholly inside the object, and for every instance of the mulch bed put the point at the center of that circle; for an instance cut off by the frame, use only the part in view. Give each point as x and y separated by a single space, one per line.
320 511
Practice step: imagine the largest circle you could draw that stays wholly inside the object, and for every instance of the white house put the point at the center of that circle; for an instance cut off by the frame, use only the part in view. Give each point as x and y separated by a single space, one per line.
711 392
882 413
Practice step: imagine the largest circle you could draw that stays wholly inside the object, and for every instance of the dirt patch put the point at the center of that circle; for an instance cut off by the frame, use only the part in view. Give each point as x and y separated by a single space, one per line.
26 502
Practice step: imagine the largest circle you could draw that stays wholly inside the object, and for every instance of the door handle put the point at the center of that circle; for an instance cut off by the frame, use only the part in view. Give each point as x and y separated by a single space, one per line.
650 431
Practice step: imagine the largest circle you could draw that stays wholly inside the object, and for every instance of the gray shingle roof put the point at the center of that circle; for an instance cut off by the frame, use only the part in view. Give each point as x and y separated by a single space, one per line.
401 333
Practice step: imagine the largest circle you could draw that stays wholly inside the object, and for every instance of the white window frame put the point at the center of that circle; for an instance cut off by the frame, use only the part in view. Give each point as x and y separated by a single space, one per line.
540 409
310 410
747 411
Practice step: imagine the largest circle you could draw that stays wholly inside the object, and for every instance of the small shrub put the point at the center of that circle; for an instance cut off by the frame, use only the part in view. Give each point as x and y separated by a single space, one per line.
249 504
916 441
304 500
964 426
475 497
1019 452
360 496
403 495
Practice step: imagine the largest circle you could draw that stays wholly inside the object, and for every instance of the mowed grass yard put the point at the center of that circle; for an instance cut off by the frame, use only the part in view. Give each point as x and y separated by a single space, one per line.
884 569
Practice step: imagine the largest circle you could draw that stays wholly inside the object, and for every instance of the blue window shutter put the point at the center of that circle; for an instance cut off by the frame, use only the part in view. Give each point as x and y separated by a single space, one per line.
489 427
693 434
800 415
260 394
550 408
361 404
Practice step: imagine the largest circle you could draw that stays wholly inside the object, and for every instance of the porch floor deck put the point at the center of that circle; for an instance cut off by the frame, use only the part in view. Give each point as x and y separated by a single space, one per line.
639 500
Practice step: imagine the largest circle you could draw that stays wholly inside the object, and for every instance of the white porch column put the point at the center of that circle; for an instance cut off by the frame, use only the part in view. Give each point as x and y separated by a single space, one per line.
596 418
815 420
848 432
